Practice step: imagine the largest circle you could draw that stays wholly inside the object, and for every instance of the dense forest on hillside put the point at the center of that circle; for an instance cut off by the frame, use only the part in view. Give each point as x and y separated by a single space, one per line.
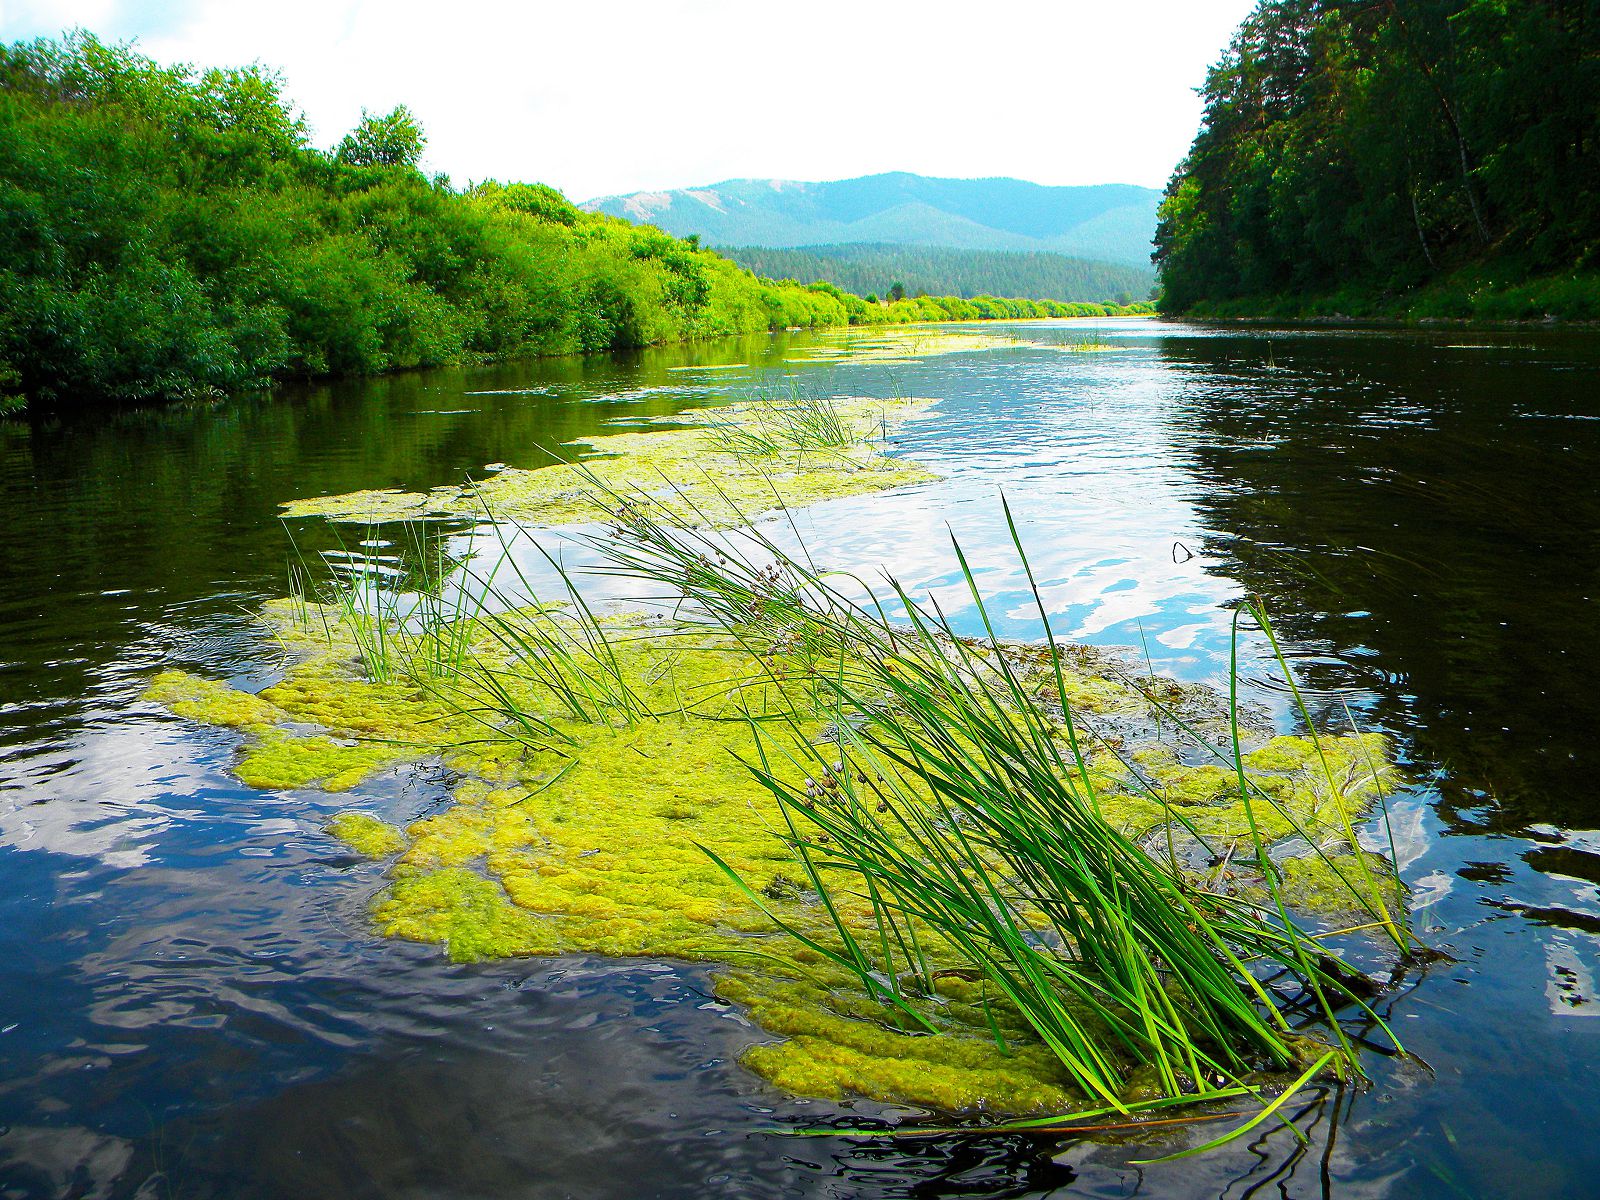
167 232
1436 157
939 270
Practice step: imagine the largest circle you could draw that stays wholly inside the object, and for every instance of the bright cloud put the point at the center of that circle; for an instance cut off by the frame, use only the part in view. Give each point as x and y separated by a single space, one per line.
642 94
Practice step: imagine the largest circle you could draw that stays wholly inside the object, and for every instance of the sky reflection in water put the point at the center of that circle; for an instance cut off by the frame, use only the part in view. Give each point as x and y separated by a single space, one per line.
194 1006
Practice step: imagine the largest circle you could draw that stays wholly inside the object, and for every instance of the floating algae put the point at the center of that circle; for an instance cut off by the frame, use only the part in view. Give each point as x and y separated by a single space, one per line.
900 344
593 789
694 472
315 727
367 835
594 838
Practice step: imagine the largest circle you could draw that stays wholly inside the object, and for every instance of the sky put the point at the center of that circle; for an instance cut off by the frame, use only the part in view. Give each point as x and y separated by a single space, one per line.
614 96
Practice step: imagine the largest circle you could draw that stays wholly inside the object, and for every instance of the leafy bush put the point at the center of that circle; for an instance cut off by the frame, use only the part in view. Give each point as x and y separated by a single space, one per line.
167 233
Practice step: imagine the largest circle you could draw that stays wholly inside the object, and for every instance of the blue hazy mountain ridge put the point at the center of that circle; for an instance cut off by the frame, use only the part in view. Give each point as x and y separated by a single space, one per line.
1111 222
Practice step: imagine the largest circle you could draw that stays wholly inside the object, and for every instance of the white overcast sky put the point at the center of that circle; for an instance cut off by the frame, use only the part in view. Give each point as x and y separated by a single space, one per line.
605 96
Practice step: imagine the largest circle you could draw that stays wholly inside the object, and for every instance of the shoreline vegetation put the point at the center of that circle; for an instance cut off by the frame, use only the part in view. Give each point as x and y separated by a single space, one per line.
1024 882
1427 161
170 233
1467 299
873 268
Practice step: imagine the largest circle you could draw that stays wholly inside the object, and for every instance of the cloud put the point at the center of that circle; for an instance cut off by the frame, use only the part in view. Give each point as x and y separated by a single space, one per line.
673 93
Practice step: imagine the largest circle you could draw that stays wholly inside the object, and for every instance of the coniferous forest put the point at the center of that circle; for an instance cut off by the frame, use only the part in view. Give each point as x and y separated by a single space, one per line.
872 267
1426 158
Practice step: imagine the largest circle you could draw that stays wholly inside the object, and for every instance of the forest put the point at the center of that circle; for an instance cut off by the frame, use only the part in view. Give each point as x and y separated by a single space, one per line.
1437 158
171 233
874 268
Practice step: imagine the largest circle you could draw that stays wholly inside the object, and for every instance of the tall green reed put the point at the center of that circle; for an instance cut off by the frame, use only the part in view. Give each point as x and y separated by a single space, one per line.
956 799
401 596
950 818
801 422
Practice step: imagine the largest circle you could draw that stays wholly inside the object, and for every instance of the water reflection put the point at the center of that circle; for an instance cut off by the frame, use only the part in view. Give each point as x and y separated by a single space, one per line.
194 1005
1436 551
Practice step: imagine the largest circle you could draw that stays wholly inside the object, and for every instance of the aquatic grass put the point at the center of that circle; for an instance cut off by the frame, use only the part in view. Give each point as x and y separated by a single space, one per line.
743 441
416 623
800 422
949 819
1369 894
811 421
367 610
964 814
1092 343
957 818
565 649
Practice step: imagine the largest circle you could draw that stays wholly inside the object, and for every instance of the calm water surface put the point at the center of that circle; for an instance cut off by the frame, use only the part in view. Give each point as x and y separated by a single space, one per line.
191 1004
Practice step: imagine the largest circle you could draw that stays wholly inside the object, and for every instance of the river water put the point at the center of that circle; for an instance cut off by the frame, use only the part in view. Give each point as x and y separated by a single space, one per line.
192 1004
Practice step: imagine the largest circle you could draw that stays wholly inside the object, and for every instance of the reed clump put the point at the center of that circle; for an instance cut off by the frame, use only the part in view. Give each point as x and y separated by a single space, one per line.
797 423
958 796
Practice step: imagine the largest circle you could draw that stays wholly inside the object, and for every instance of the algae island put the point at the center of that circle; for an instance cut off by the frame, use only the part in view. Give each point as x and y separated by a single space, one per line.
954 873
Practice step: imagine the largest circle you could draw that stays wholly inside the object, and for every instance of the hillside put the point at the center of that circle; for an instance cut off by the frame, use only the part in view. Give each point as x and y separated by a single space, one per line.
875 267
167 233
1108 222
1431 159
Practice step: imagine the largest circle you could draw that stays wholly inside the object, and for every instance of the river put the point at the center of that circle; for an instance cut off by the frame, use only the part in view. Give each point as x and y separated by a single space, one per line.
192 1003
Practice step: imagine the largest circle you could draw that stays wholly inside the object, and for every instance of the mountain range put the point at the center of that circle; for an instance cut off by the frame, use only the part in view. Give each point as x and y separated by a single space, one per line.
1111 222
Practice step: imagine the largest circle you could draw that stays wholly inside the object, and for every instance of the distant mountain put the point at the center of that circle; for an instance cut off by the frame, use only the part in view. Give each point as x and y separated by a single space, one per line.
941 271
1111 222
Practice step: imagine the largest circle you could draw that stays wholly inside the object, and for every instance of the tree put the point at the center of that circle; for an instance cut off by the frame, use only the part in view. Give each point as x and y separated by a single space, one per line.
1361 148
897 292
393 140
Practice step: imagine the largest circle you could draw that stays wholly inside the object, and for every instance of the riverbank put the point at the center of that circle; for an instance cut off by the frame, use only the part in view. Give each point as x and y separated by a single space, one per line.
171 234
1466 298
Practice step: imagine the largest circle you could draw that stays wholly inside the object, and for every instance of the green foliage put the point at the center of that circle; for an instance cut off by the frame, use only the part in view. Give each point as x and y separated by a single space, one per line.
532 199
392 140
942 270
1369 150
167 233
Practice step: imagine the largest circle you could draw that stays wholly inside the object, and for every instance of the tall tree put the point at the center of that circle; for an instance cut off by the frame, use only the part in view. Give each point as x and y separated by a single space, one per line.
1377 145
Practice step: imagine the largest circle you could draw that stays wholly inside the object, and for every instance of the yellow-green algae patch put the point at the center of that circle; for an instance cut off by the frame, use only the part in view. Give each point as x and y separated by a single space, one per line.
594 841
901 344
710 481
210 702
839 1044
319 726
1329 884
1316 787
367 835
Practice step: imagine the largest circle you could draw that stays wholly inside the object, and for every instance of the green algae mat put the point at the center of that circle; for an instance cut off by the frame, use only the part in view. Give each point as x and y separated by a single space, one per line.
901 344
729 464
596 843
608 800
